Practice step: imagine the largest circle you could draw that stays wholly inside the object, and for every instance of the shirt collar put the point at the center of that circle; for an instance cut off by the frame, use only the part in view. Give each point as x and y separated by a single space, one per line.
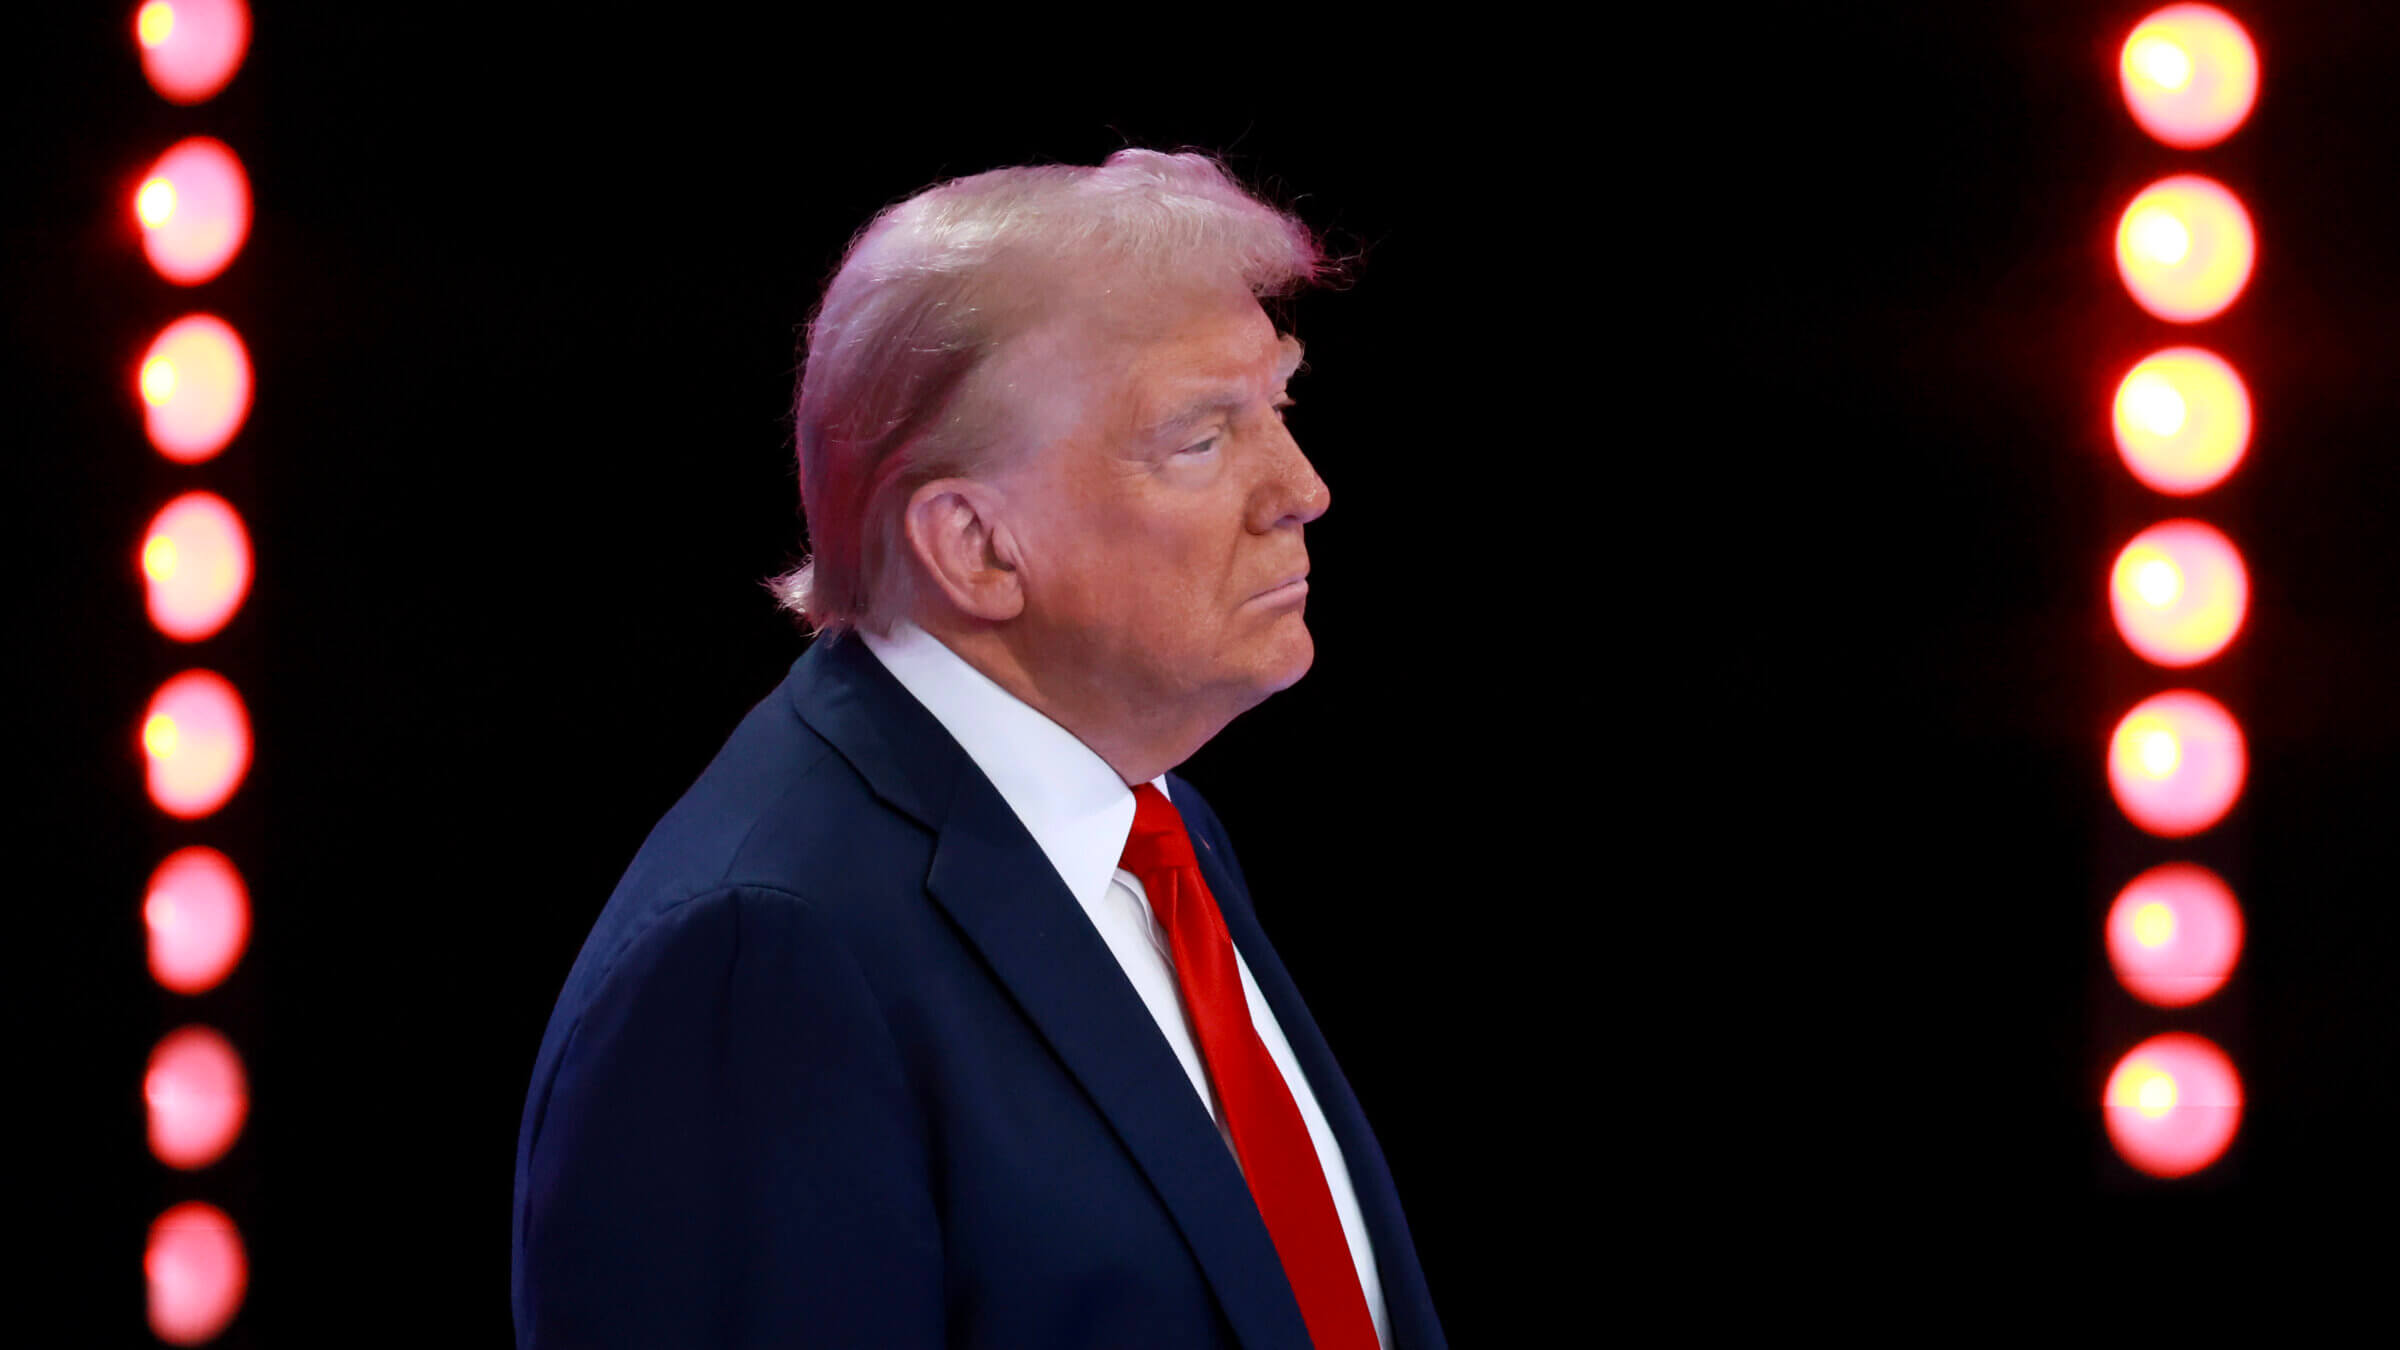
1067 797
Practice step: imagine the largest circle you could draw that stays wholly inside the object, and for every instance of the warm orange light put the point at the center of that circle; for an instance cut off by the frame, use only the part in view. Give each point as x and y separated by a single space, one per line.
190 48
198 1098
197 1273
195 387
2190 75
197 912
2172 1104
196 738
2182 420
194 206
2179 592
2185 248
2176 763
2174 935
196 565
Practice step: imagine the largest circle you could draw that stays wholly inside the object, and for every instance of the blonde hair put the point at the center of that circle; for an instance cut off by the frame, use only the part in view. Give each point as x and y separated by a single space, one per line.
895 389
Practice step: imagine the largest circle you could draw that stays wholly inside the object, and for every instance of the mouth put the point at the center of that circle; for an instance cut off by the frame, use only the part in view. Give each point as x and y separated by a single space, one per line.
1290 588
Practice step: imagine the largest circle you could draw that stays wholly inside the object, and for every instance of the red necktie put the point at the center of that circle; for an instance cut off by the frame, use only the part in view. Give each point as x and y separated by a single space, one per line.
1272 1140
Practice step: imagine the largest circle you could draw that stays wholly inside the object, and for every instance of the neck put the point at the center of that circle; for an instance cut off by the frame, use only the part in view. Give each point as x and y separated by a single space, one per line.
1138 738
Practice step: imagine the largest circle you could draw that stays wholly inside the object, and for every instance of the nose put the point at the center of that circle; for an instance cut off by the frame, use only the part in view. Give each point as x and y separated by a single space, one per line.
1292 494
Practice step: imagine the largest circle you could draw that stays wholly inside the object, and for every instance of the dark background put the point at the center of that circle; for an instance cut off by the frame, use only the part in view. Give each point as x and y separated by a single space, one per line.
1694 824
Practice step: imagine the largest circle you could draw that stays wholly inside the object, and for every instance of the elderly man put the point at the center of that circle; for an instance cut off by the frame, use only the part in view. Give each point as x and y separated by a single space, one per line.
936 1013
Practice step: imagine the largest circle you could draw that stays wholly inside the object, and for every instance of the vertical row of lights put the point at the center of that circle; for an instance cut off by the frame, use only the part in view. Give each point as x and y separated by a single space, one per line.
2178 589
193 209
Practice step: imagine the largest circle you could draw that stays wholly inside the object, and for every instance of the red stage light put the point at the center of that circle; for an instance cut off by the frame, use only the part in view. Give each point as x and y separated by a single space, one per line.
2179 592
2189 75
195 387
196 563
194 206
2173 1104
198 1098
197 1272
198 914
190 48
196 736
2185 248
2174 935
2176 763
2182 420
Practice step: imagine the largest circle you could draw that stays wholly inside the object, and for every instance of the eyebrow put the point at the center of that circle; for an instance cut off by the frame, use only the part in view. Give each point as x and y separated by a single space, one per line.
1185 414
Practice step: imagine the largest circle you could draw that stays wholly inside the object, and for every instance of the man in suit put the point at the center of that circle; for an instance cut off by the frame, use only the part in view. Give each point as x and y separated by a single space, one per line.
937 1013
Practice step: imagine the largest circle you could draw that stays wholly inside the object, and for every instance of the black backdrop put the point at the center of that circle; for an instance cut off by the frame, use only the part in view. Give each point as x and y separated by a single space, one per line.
1694 818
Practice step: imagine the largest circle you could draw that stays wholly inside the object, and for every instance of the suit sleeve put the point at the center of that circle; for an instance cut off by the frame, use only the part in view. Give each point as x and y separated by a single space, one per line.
730 1154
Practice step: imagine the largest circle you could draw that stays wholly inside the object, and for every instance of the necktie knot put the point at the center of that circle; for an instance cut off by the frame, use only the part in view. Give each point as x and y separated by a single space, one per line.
1159 840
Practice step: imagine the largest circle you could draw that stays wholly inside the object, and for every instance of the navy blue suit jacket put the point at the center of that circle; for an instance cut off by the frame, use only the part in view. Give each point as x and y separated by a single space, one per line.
843 1063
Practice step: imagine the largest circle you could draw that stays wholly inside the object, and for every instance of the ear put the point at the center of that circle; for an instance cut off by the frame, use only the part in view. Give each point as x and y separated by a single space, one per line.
954 533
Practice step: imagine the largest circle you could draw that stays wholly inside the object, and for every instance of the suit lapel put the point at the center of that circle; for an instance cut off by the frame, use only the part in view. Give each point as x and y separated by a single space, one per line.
1407 1302
992 879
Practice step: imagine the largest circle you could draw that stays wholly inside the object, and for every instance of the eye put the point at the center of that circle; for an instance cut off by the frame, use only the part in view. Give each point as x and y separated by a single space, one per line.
1201 449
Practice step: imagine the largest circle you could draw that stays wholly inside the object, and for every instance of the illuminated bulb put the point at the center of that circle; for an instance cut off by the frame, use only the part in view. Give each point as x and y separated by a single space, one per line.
155 23
155 202
2160 754
198 915
158 380
2176 763
2179 592
2163 63
195 381
196 565
2185 248
2172 1104
159 736
2174 934
2161 237
2189 75
2181 420
2153 924
197 1273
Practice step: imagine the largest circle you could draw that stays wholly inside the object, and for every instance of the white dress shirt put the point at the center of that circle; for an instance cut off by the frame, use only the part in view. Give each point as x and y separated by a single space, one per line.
1080 813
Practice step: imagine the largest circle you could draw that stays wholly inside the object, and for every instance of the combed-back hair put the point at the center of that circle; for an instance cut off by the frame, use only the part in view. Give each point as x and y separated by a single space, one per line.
895 387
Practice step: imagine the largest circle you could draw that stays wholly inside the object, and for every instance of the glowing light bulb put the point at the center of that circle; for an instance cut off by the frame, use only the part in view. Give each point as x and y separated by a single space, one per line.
158 380
2164 63
198 915
2172 1104
197 1273
2176 763
195 381
2189 75
2179 592
2185 248
2182 420
197 738
2174 935
196 562
2153 924
2161 237
155 202
154 23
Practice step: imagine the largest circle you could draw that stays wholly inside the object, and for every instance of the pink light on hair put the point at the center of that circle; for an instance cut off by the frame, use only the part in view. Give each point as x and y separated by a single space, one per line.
195 565
2176 763
197 912
194 206
2174 935
197 1273
2172 1105
191 48
198 1098
196 736
195 387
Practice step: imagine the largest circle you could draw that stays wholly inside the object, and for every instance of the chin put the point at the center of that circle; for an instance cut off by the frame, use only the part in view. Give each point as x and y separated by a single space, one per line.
1290 654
